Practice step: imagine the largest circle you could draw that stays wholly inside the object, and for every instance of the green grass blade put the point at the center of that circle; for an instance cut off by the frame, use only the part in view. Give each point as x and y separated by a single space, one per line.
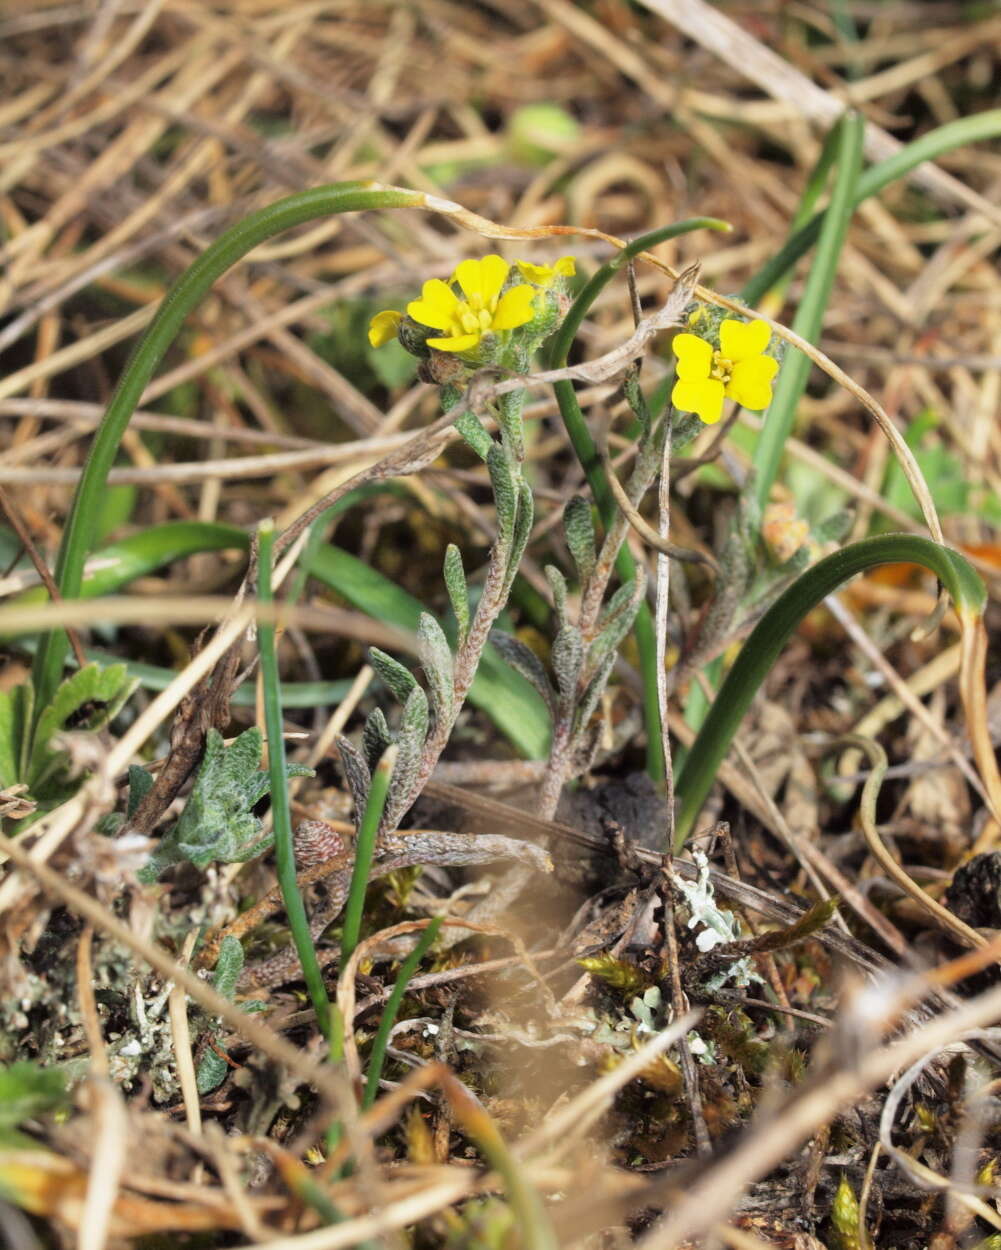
810 314
388 1018
298 694
587 453
955 134
368 827
775 628
144 553
281 814
184 295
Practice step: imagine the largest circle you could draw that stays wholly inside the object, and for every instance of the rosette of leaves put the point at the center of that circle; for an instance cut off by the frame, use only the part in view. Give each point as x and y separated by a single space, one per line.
218 824
39 759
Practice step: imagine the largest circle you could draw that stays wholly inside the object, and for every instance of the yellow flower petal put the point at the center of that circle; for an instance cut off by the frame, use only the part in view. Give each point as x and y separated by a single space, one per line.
541 275
694 358
751 382
467 274
437 305
738 341
481 280
458 343
383 327
514 308
493 274
704 398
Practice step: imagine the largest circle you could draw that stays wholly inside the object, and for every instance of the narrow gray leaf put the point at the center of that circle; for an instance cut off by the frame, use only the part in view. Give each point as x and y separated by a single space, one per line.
524 661
579 530
398 678
458 594
439 667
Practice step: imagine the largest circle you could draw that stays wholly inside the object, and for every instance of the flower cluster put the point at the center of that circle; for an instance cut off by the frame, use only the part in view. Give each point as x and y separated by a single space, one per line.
473 315
737 369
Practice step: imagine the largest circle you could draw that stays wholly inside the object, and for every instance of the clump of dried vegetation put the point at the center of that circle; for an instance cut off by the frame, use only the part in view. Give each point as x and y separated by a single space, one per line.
346 899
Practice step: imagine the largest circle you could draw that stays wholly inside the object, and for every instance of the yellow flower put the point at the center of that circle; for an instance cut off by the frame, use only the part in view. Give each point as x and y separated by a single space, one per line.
483 311
737 371
384 326
543 275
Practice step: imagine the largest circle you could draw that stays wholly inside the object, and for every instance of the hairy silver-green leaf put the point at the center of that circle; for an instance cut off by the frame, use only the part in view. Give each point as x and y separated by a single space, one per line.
522 533
458 594
228 966
439 666
410 743
579 530
592 693
523 660
618 617
140 784
218 824
835 527
213 1067
505 493
558 585
396 676
636 399
375 739
509 409
567 659
84 702
471 428
356 773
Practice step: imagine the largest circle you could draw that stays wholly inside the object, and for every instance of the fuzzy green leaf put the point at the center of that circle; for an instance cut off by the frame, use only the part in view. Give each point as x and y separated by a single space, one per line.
595 687
458 594
439 667
579 530
558 585
140 784
410 743
505 493
356 773
567 660
471 428
396 676
375 738
523 660
85 701
218 823
522 532
617 620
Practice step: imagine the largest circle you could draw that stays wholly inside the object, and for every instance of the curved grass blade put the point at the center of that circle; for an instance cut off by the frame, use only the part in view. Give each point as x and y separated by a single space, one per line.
183 296
140 554
775 628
